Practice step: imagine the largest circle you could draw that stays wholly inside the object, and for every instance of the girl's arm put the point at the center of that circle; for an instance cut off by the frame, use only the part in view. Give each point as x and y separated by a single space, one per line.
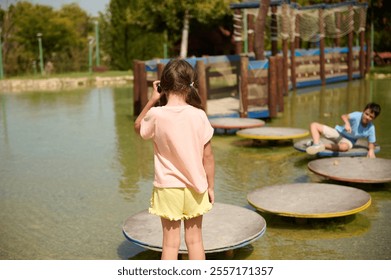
209 165
151 102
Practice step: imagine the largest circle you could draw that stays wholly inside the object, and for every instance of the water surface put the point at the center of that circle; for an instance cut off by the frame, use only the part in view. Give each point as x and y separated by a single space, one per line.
72 170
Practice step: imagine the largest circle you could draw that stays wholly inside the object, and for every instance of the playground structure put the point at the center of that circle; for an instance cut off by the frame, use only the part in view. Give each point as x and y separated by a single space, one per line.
260 84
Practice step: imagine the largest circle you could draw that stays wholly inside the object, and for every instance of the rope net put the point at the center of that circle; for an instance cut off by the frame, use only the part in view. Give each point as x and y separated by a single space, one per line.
312 24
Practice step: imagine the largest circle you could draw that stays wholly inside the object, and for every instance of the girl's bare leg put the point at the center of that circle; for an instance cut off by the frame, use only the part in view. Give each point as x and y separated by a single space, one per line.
171 239
193 238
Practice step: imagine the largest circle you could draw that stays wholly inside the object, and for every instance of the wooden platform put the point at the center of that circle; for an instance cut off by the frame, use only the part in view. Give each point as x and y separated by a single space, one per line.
225 227
230 107
273 133
309 200
353 169
358 150
235 123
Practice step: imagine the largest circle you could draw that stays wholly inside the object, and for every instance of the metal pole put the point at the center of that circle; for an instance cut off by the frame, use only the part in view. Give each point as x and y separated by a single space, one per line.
97 43
165 47
34 66
90 45
39 35
1 57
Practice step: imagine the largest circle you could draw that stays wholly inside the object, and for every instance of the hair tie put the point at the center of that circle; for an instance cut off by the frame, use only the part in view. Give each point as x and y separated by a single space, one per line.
191 84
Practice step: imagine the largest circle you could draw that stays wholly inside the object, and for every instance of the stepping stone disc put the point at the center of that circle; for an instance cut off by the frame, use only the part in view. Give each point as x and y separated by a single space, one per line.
273 133
353 169
309 200
359 149
225 227
235 123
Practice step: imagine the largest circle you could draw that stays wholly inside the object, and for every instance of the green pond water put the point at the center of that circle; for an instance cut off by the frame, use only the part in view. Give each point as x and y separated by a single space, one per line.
72 170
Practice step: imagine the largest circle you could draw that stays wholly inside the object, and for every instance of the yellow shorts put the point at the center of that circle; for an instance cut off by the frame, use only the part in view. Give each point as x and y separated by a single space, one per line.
179 203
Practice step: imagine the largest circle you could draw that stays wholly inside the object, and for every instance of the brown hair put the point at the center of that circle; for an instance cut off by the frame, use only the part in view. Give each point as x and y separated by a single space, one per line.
180 78
373 107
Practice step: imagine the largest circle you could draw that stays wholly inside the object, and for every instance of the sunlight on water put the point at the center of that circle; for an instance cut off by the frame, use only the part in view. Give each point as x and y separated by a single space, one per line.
72 170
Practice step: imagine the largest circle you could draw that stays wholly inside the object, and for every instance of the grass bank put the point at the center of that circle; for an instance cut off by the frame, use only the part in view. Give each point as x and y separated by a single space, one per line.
381 70
74 75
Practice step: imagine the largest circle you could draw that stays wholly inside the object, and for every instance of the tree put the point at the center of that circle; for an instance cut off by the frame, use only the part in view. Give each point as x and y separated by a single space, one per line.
175 16
379 14
63 32
78 25
127 35
136 29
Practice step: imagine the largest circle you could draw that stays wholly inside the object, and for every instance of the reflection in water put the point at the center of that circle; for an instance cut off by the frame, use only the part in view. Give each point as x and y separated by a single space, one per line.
3 115
134 155
72 170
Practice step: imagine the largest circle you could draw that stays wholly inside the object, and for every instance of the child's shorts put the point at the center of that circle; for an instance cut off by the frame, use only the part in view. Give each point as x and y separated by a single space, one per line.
179 203
333 135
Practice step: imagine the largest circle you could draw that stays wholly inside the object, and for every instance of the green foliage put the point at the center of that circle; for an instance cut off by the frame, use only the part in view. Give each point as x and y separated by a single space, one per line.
130 29
64 37
379 13
136 28
125 37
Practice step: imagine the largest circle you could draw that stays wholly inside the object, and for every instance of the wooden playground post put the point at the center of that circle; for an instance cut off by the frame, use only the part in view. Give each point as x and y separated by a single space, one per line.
368 56
136 89
285 27
297 30
243 86
280 84
350 47
140 87
143 87
238 31
337 40
362 43
285 66
362 54
272 87
321 49
200 68
293 56
250 32
160 67
273 31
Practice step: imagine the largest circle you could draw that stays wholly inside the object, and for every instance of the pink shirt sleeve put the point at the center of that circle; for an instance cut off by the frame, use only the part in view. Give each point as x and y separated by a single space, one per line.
147 130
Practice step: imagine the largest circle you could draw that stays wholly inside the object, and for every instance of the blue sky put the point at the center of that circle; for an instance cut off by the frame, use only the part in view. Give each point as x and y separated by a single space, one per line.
92 7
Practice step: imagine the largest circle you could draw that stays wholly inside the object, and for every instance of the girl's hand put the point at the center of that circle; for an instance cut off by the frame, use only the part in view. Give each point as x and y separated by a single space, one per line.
155 95
211 194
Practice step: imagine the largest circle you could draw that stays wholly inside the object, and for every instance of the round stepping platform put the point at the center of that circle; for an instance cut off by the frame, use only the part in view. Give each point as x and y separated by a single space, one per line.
225 227
235 123
309 200
353 169
273 133
359 149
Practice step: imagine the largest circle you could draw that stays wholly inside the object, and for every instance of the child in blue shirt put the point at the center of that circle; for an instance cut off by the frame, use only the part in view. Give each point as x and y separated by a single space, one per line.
356 125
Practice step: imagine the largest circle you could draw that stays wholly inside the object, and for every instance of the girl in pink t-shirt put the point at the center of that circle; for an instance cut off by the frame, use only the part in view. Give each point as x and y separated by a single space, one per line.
183 157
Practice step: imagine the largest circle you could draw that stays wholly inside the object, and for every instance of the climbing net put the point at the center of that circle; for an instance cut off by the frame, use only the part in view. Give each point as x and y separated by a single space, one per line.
313 23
